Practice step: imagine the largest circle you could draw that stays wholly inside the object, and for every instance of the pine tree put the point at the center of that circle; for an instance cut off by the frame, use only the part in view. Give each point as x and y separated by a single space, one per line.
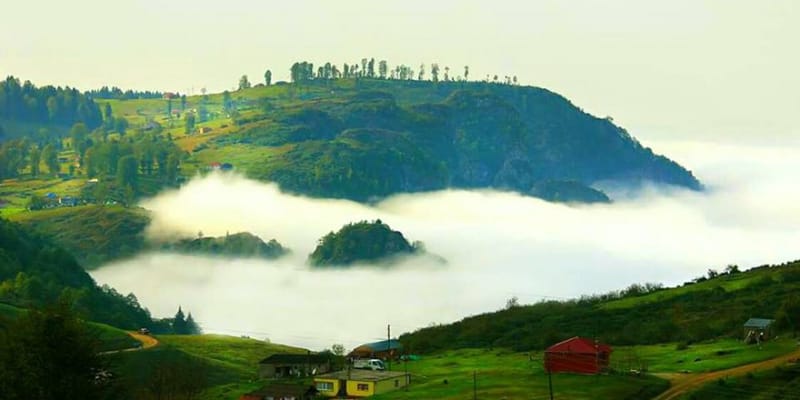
179 323
191 326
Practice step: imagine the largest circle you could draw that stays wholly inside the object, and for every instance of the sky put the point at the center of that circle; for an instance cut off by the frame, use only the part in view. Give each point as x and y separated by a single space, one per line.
497 245
720 71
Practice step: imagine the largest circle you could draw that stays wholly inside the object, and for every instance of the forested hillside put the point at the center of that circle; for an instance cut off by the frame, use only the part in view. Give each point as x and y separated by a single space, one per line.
706 308
35 272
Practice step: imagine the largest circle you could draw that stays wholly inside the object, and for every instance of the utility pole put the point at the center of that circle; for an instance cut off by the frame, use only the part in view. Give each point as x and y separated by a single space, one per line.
474 385
389 346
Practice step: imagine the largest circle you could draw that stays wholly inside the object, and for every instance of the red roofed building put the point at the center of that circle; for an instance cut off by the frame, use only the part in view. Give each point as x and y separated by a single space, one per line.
578 355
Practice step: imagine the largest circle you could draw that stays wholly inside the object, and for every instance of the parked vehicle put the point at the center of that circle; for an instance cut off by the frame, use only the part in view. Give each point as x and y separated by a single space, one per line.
371 363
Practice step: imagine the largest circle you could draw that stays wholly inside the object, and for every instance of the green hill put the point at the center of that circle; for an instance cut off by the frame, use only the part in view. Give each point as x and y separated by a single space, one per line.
361 242
372 138
93 234
36 272
641 314
243 244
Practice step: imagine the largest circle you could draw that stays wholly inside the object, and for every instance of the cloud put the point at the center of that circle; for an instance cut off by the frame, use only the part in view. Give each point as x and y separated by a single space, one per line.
497 245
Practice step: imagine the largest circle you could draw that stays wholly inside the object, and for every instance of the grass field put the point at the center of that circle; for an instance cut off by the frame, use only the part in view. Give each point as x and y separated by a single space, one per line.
779 383
109 337
502 374
703 357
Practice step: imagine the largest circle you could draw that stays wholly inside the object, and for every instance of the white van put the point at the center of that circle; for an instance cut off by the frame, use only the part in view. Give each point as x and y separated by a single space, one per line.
372 363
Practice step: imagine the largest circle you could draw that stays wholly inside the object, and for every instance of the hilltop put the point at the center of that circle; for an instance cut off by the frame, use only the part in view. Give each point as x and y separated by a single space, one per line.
242 244
361 242
353 137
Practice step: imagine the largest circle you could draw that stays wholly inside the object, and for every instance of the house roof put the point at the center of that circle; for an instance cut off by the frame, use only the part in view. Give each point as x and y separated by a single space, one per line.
296 359
578 345
383 345
758 323
362 375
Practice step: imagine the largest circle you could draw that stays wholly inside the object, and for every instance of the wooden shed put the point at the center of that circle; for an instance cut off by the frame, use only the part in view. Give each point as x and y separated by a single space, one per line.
757 330
577 355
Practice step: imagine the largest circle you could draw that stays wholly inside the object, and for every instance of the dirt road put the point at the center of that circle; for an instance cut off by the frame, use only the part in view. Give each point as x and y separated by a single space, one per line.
681 384
147 341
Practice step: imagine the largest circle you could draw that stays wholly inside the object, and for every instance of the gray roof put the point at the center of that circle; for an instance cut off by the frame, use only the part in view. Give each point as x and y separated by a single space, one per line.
758 323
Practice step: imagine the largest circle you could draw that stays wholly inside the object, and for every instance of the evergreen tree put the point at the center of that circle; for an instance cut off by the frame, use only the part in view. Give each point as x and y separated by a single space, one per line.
268 77
50 156
179 323
191 326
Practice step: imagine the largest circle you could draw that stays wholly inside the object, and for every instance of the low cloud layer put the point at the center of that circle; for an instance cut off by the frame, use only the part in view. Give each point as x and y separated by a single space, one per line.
497 245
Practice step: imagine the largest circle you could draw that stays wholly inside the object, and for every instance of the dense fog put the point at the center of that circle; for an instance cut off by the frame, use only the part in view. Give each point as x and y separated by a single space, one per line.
497 245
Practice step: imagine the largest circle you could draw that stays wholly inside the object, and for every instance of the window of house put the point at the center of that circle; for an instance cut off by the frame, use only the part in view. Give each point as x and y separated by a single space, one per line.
362 387
324 386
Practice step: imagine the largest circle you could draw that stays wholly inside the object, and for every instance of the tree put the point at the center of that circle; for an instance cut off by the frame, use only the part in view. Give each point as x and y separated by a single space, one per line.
466 72
121 125
77 135
190 118
107 112
49 354
337 350
128 171
435 72
183 102
50 156
382 69
179 322
169 107
191 326
244 83
371 68
421 75
446 73
268 77
35 155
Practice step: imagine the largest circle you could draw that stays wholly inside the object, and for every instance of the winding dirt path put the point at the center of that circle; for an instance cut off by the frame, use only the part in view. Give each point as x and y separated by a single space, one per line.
147 341
680 384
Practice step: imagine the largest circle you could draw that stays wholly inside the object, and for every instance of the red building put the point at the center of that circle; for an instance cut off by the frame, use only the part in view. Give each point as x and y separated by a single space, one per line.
578 355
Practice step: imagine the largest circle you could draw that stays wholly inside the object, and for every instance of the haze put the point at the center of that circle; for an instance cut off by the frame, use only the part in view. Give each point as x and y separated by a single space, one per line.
691 68
498 245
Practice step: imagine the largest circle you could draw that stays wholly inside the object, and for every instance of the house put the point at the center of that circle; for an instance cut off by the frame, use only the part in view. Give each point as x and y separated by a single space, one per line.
384 349
214 166
226 167
360 383
578 355
282 392
203 129
68 201
294 365
757 330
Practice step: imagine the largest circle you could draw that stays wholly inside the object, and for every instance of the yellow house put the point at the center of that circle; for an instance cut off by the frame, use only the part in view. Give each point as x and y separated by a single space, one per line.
360 383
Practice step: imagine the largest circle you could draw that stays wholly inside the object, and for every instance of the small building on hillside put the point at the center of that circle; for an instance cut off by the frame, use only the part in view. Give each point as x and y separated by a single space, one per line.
360 383
385 349
294 365
282 392
203 129
577 355
758 330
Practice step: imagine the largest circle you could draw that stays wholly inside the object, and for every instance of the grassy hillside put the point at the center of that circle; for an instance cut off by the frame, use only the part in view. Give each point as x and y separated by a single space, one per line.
368 138
109 337
223 367
502 374
93 234
694 312
779 383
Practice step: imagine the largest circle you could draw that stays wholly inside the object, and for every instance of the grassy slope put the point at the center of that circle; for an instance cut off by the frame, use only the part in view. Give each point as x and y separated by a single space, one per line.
231 363
505 374
779 383
110 338
93 234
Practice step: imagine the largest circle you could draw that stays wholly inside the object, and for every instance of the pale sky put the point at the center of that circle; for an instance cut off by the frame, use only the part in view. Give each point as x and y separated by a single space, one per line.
712 70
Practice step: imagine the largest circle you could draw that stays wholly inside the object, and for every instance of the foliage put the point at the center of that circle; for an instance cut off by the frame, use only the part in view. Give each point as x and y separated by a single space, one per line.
243 244
49 354
33 271
63 106
360 242
692 313
92 234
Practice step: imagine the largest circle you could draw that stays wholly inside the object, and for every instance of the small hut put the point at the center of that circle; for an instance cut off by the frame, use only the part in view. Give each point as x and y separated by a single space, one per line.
757 330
